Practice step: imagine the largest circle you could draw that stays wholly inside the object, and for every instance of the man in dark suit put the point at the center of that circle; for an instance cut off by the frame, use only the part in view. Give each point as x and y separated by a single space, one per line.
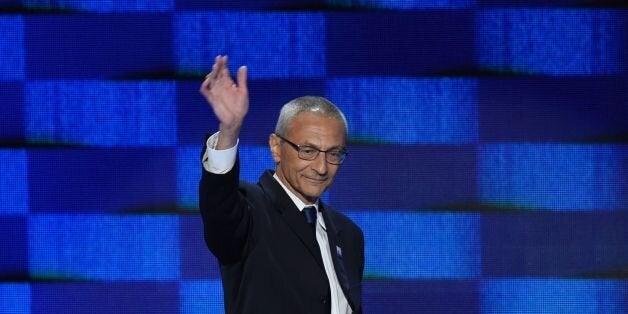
280 248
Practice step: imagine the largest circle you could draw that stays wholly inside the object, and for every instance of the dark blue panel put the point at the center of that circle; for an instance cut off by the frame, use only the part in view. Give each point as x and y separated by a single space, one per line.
545 3
102 6
98 46
550 109
551 41
557 177
403 5
418 177
99 247
242 4
293 44
408 111
201 296
197 262
196 119
404 245
101 113
450 296
102 180
399 43
15 298
105 298
11 48
14 188
14 244
555 244
561 296
12 112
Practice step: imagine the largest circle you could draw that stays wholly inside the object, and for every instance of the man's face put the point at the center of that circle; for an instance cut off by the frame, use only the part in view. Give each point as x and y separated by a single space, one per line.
308 179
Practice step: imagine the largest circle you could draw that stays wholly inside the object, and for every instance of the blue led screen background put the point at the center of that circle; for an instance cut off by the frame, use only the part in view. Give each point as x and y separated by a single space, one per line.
488 163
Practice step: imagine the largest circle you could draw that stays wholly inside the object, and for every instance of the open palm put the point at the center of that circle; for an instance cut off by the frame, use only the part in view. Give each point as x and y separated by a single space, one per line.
228 99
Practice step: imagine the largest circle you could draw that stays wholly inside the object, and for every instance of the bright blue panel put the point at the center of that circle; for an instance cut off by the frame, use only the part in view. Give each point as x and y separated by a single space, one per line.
447 296
14 248
105 297
11 48
101 113
561 177
13 181
405 245
101 6
404 4
99 247
551 41
553 296
15 298
203 296
188 176
408 111
254 160
102 180
272 45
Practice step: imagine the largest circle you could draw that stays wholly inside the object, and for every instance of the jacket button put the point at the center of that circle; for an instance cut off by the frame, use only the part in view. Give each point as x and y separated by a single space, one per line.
323 300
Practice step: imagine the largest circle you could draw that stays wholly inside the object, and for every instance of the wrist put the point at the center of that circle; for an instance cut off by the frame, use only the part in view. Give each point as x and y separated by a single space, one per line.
228 137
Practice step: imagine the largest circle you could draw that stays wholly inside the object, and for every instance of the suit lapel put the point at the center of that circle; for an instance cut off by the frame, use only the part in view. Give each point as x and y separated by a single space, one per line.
291 215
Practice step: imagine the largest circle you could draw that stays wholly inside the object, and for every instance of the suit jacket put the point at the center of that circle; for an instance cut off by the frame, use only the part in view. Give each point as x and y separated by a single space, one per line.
269 259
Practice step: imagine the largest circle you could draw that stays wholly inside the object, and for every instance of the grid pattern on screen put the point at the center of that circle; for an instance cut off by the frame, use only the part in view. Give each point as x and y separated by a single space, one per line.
488 157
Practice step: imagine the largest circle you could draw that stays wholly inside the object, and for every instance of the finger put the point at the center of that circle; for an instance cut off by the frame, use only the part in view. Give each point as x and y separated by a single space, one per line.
219 64
212 74
224 77
206 85
242 79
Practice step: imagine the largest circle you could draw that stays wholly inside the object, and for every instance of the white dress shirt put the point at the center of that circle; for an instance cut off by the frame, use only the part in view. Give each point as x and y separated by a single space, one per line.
222 161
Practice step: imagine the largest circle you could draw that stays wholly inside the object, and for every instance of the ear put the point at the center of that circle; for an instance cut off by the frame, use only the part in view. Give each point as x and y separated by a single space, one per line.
275 147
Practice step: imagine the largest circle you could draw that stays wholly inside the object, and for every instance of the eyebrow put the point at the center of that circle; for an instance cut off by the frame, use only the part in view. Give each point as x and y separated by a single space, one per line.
338 147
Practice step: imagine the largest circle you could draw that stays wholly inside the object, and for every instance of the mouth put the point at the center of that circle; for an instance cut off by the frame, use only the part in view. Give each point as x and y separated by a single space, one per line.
317 181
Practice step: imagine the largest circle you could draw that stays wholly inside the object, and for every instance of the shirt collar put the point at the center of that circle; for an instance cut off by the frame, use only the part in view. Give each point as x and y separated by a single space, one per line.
296 200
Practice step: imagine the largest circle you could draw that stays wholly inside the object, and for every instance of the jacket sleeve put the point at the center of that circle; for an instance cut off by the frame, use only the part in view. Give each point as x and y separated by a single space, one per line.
225 214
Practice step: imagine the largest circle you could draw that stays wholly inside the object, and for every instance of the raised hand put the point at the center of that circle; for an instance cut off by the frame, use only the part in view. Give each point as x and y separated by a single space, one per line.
228 99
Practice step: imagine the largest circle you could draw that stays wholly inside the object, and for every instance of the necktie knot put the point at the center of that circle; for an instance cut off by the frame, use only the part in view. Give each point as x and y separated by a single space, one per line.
310 216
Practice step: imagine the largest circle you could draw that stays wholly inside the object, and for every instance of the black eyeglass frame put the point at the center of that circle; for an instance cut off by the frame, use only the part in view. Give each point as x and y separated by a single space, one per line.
299 148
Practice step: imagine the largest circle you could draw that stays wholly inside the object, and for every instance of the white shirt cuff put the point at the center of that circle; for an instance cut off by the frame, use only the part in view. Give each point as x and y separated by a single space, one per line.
219 161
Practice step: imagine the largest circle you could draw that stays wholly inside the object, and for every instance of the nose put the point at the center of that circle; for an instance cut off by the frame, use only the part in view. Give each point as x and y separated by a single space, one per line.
319 164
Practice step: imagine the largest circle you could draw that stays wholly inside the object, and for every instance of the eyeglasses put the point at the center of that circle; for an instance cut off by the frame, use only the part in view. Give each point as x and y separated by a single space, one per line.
333 156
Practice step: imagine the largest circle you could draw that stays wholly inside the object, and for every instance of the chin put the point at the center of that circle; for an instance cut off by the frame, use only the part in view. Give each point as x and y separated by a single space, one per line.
313 195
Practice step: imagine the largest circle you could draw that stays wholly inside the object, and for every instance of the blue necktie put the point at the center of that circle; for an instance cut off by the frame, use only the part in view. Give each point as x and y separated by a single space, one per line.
310 217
